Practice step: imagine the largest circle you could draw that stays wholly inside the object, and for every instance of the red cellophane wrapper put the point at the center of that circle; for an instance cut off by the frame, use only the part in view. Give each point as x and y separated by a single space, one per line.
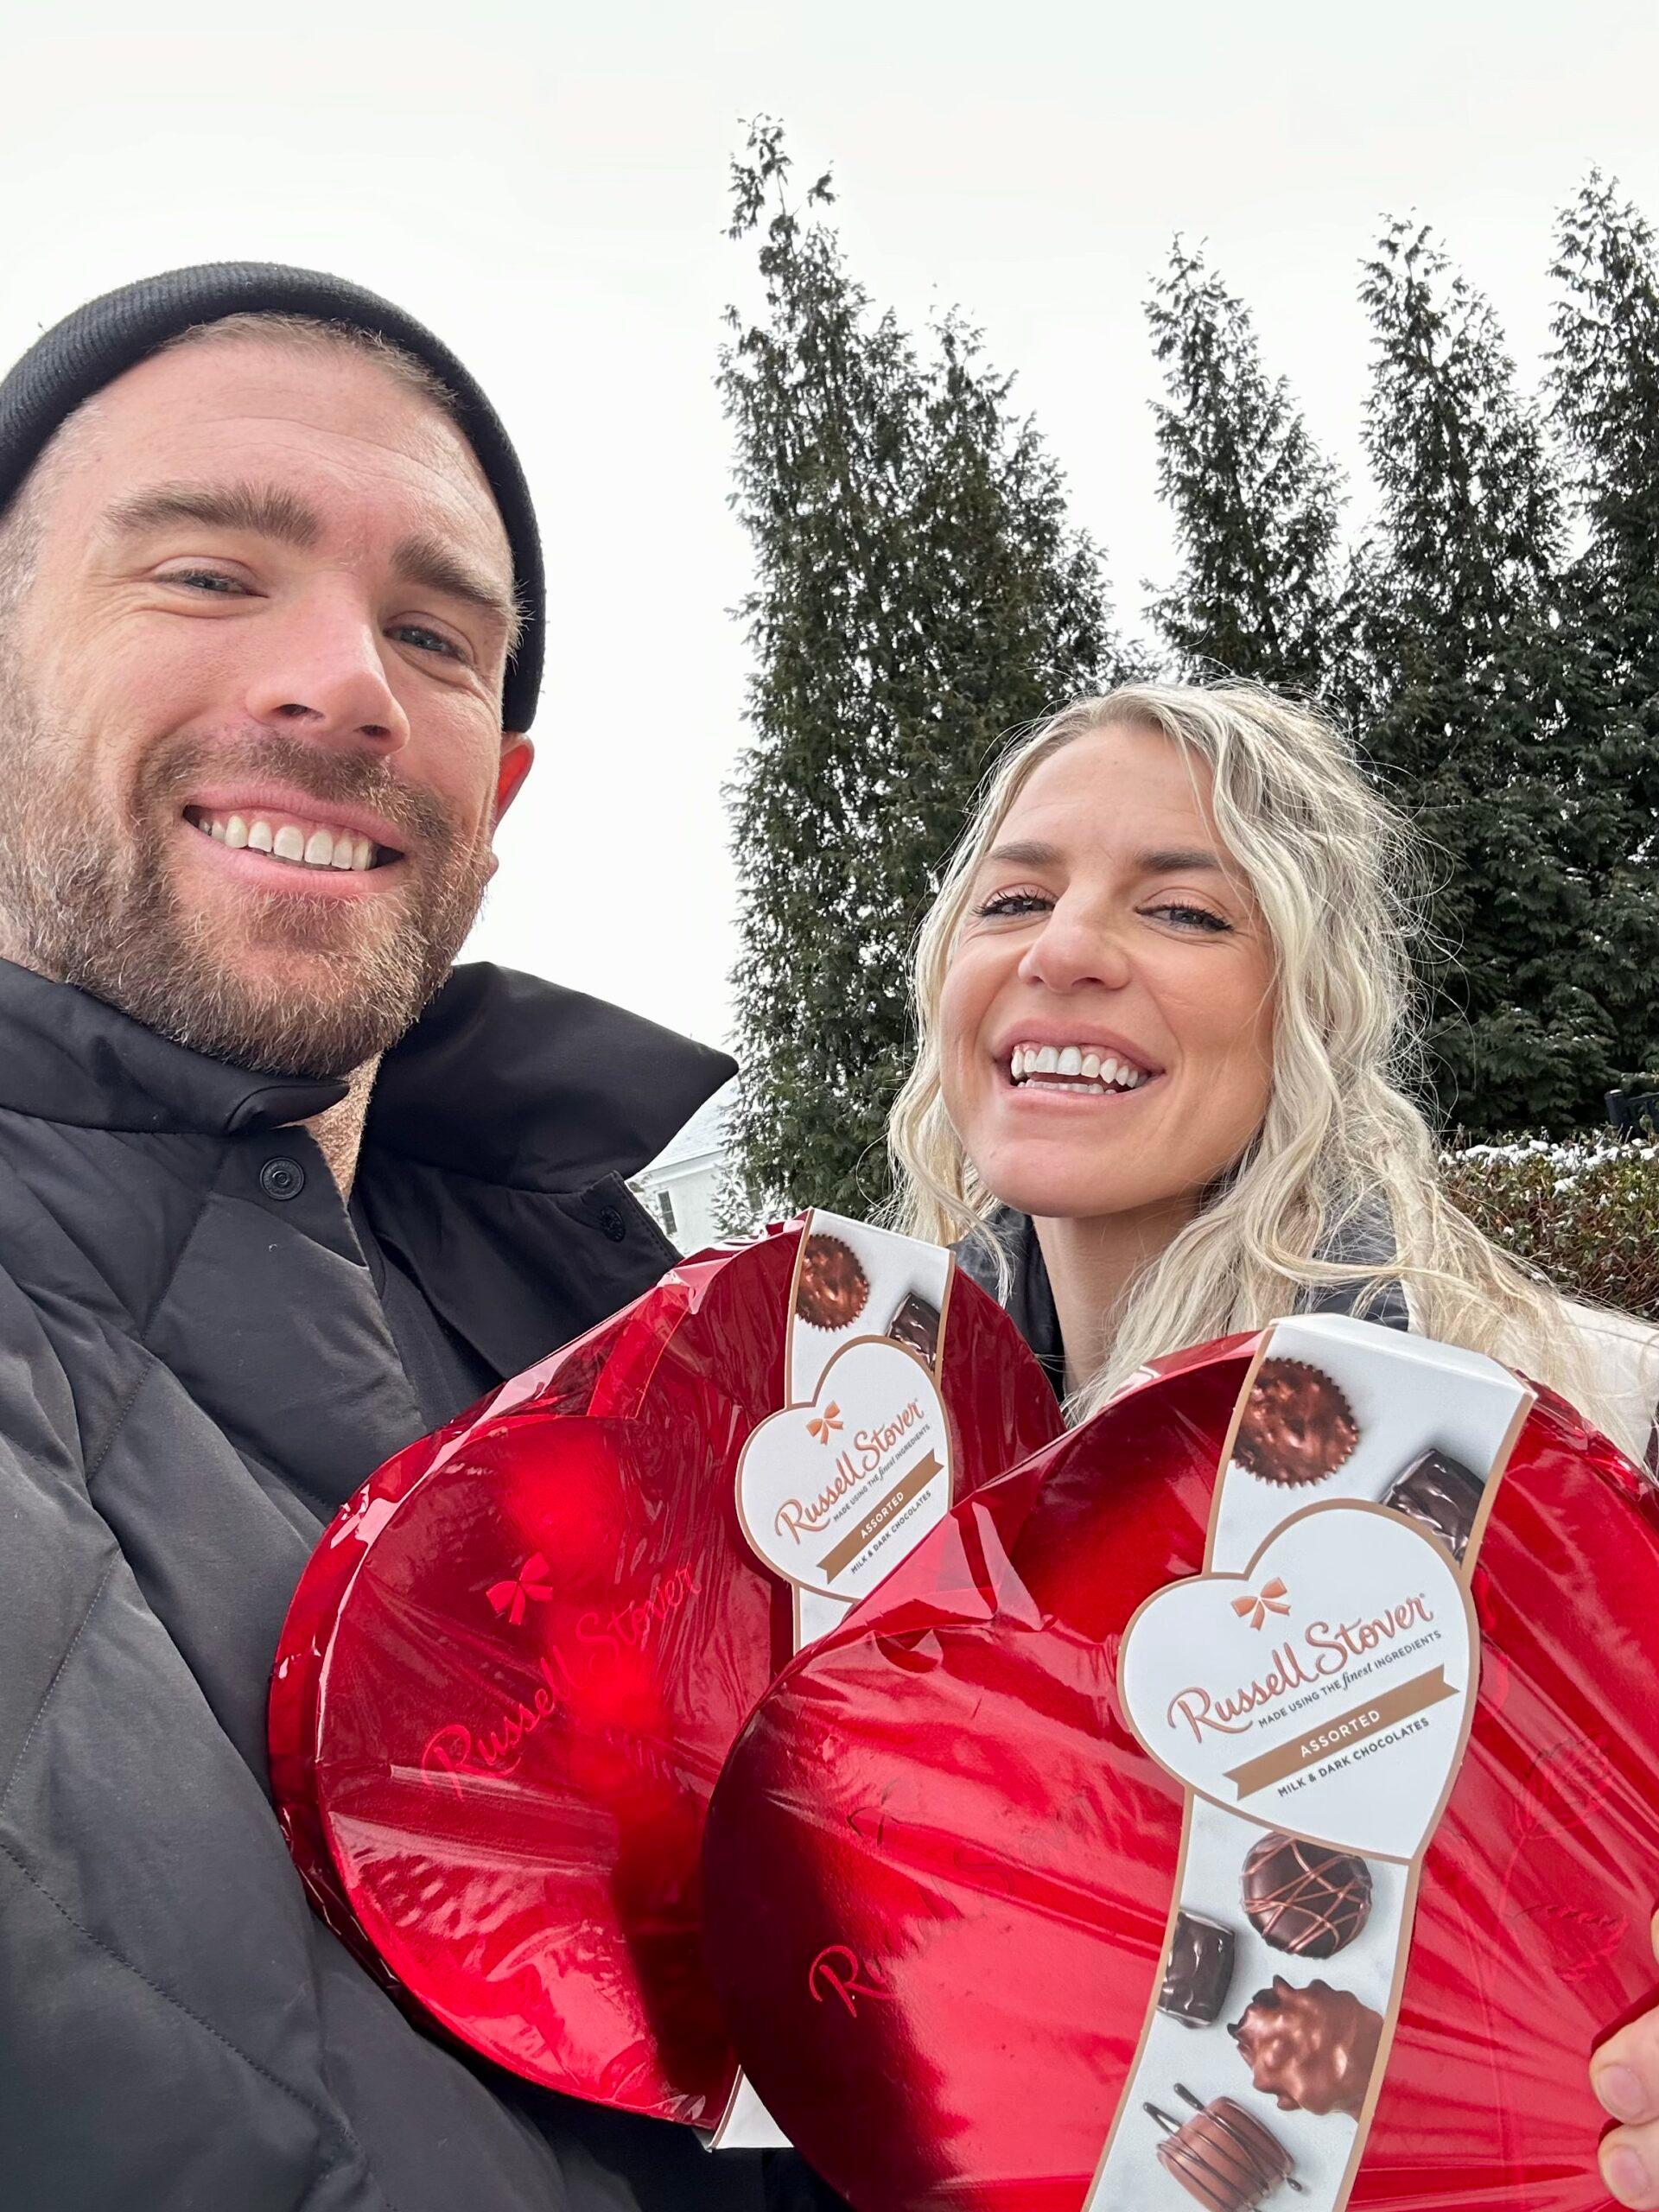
510 1677
939 1866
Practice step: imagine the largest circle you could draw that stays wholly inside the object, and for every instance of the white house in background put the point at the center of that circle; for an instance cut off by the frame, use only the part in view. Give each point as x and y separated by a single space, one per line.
680 1187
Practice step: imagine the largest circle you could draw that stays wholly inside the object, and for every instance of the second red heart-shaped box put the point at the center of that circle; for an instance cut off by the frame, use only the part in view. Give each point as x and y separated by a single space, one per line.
510 1677
941 1865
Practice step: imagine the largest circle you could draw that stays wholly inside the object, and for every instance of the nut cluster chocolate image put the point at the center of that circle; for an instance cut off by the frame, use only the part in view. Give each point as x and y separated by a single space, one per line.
916 1324
1297 1427
1441 1495
1313 2049
833 1289
1198 1970
1304 1898
1223 2157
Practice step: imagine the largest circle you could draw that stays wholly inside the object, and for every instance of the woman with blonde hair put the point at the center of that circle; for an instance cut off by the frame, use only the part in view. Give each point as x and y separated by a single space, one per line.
1163 1084
1162 1092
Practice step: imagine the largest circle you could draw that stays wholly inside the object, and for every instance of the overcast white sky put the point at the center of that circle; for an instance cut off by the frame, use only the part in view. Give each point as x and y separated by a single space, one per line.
546 185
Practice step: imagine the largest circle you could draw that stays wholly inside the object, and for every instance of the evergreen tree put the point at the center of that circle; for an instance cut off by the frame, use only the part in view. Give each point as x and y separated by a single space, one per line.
1605 375
1474 729
919 593
1254 501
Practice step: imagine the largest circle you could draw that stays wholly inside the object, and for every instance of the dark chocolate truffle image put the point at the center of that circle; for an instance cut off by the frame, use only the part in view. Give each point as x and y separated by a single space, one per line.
1297 1427
1441 1495
1304 1897
1223 2157
917 1325
833 1288
1312 2049
1197 1972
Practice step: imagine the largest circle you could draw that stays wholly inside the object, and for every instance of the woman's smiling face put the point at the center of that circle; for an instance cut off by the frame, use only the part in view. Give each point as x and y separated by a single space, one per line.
1106 1024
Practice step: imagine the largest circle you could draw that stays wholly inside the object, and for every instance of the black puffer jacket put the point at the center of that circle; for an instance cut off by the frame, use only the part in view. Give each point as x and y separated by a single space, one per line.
194 1372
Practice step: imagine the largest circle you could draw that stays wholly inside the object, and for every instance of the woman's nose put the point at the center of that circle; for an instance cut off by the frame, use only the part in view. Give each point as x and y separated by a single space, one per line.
1072 949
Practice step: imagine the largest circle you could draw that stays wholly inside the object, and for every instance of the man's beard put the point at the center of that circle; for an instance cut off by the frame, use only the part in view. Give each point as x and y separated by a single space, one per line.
96 904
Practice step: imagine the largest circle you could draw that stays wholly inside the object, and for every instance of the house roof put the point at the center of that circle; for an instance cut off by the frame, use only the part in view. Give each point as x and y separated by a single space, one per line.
703 1133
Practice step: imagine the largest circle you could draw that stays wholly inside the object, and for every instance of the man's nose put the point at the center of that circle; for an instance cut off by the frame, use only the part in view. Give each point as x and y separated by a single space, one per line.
322 674
1074 948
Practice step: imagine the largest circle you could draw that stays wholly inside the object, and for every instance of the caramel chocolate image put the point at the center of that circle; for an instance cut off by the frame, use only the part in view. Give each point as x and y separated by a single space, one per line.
833 1289
916 1323
1198 1971
1223 2157
1441 1495
1297 1426
1312 2049
1304 1897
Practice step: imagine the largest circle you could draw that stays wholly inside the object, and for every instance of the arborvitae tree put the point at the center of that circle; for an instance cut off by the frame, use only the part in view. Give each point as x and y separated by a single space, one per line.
1463 635
919 593
1605 377
1254 501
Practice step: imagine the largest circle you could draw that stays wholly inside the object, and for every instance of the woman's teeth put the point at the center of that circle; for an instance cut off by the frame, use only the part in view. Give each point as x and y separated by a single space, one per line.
312 844
1074 1068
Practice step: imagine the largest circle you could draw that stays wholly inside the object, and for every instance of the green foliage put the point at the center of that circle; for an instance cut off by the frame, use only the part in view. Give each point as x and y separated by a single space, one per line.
919 593
1471 723
1586 1212
1253 502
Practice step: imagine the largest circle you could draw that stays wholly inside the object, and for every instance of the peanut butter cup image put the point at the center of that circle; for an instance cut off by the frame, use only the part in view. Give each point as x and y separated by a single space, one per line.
1223 2156
1313 2049
1297 1428
1304 1897
833 1289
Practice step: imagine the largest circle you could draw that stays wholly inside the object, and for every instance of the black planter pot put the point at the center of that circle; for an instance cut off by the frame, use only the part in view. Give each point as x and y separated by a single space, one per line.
1633 1113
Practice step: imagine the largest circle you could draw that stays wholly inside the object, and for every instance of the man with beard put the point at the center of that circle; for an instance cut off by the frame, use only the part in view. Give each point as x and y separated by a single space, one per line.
276 1198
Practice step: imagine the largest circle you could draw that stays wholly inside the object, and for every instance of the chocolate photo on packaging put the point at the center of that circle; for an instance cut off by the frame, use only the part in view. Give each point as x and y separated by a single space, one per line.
1312 1689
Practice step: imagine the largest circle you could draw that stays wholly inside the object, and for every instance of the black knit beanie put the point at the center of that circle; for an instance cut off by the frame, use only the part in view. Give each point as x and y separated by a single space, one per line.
108 336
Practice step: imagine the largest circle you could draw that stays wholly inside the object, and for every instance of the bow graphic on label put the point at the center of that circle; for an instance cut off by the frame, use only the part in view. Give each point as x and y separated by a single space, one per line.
509 1598
1271 1600
824 1425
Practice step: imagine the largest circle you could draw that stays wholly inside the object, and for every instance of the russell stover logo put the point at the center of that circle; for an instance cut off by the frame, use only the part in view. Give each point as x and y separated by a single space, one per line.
1325 1649
859 1459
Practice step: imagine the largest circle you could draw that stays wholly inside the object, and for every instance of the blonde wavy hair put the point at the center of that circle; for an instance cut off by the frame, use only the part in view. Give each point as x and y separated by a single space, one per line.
1331 866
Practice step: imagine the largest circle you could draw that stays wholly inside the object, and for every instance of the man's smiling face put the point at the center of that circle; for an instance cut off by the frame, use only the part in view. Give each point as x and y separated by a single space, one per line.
249 705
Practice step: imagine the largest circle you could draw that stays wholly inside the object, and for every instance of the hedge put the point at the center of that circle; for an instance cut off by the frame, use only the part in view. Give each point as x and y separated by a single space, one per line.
1587 1211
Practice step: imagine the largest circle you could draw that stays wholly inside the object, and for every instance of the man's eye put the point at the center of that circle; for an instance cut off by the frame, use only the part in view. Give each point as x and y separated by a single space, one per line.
1001 903
207 580
428 641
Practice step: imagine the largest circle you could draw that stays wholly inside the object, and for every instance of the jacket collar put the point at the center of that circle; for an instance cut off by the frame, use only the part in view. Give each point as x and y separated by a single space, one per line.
1364 1240
505 1078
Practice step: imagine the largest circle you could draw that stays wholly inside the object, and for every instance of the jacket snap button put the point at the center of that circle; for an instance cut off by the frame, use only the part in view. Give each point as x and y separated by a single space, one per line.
611 1221
281 1179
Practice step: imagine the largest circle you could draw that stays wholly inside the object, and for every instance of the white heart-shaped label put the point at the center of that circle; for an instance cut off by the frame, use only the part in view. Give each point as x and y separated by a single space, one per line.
1326 1691
834 1494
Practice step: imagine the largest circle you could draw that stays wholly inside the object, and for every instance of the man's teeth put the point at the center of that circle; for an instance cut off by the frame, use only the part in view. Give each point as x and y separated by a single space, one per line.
1079 1063
313 844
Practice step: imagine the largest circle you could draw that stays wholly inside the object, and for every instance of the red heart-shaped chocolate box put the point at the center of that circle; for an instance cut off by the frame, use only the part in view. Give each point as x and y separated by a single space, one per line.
511 1676
939 1867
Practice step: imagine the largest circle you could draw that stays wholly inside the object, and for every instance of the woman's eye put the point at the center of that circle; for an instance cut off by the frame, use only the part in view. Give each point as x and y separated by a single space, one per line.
1003 903
428 641
1191 918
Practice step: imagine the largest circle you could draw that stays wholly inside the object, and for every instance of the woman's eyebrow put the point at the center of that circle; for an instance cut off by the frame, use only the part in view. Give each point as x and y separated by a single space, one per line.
1176 861
1166 861
1024 853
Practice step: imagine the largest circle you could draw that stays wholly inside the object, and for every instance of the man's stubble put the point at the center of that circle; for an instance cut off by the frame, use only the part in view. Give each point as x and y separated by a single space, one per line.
92 902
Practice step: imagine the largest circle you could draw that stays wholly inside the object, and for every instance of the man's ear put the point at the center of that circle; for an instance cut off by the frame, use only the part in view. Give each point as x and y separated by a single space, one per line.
517 754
